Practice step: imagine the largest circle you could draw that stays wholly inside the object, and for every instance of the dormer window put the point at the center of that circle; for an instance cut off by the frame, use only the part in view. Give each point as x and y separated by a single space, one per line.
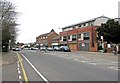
76 26
73 27
91 23
88 24
84 24
79 25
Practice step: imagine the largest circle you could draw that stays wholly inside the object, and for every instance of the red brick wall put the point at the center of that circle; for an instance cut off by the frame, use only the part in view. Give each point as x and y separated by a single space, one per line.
50 37
90 29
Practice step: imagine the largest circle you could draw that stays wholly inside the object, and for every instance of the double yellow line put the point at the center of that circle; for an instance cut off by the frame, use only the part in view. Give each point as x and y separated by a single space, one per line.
22 67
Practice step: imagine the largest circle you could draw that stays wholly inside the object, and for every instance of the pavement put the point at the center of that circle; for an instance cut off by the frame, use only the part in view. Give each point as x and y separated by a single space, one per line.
9 66
8 58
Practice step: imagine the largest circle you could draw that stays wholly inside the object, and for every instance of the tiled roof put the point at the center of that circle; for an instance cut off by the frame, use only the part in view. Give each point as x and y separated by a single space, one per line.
46 34
43 35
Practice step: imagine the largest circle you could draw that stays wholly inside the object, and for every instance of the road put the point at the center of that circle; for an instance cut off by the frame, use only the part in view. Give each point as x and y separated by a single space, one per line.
60 66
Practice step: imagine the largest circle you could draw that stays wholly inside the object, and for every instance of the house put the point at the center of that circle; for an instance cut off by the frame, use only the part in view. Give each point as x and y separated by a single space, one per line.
46 39
82 36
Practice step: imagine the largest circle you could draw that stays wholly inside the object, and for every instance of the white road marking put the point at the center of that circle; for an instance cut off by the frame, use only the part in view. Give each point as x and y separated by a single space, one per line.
97 61
40 74
20 77
93 63
17 62
109 61
18 65
86 61
18 69
77 59
83 61
115 68
19 72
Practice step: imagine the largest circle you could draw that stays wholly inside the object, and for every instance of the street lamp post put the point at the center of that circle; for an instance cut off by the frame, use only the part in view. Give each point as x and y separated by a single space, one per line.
102 43
9 44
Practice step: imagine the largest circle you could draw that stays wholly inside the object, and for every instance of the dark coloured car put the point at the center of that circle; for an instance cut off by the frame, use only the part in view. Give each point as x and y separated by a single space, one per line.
65 49
43 48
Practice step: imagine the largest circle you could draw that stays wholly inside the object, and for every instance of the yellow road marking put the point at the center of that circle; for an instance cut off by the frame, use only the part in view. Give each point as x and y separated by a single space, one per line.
23 70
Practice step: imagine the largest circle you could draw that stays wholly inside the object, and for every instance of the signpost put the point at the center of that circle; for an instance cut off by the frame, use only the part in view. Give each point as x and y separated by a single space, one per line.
83 44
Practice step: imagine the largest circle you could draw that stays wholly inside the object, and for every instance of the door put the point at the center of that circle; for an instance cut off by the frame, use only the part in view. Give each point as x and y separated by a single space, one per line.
84 46
73 47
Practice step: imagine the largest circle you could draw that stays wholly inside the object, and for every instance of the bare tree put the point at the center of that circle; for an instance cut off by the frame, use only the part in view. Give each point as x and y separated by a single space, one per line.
7 23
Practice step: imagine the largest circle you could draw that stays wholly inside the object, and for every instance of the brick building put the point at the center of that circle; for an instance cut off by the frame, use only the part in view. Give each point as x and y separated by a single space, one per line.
55 41
46 39
82 36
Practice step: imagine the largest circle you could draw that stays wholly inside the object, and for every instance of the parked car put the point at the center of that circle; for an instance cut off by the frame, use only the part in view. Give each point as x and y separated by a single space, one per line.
65 49
16 49
26 48
56 48
42 48
50 49
33 48
13 48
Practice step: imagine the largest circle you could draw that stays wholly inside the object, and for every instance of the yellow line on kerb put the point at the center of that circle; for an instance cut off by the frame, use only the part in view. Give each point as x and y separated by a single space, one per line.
23 70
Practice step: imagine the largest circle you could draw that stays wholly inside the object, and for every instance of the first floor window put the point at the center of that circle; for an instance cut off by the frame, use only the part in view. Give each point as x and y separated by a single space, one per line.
79 36
74 37
86 36
68 37
64 38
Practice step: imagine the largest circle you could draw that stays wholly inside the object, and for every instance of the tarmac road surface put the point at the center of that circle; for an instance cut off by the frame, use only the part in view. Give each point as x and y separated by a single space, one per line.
54 67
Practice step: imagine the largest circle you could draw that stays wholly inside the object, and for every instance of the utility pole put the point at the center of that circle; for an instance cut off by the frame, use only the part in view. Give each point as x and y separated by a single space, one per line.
102 43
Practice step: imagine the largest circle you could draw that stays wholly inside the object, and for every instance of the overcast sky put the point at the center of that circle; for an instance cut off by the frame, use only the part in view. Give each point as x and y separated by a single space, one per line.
40 16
